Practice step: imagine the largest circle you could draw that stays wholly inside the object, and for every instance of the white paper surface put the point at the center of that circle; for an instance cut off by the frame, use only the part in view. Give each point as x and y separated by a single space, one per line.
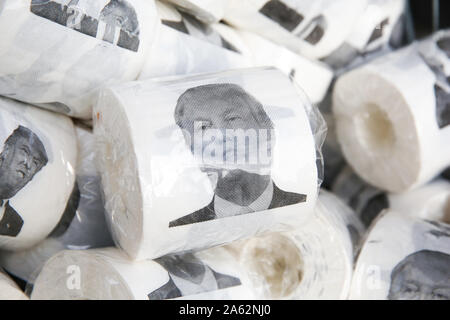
9 290
57 53
37 172
151 178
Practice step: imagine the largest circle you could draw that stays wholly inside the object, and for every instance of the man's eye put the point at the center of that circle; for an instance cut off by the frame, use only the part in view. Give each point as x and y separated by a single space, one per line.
233 118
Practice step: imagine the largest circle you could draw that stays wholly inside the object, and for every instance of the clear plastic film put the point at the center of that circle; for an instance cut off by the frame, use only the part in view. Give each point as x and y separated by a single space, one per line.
431 201
403 258
82 226
204 160
393 129
57 54
38 154
312 262
207 11
184 45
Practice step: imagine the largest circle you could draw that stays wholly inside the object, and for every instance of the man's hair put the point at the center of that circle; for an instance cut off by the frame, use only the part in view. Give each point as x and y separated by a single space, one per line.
423 259
33 140
222 91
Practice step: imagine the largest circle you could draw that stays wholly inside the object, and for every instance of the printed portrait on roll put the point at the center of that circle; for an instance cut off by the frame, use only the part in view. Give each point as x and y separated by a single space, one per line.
232 139
22 157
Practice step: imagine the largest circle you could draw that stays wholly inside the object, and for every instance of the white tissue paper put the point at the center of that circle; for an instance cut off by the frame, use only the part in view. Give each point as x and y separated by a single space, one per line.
393 129
183 45
431 201
37 172
312 28
404 258
313 262
82 225
9 289
57 53
312 76
208 11
207 159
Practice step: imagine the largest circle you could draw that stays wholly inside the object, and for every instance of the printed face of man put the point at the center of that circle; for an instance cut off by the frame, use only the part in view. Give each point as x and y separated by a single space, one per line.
226 130
185 266
422 276
18 165
119 13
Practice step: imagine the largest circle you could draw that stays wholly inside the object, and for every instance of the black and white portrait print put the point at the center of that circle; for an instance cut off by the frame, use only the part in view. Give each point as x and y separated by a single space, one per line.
422 275
116 24
439 63
232 139
22 157
191 26
188 276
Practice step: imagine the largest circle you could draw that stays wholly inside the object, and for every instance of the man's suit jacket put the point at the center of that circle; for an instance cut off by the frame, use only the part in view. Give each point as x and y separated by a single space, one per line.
11 223
280 198
171 291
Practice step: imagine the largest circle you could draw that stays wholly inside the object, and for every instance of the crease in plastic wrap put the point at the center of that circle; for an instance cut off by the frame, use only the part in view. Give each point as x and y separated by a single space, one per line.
184 45
82 226
204 160
38 154
403 258
431 201
58 53
393 129
207 11
311 262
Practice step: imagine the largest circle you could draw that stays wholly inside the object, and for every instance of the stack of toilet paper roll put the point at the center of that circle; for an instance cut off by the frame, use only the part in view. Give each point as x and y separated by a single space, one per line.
166 158
311 262
313 77
208 11
57 53
185 45
394 130
9 289
82 225
431 201
37 172
403 258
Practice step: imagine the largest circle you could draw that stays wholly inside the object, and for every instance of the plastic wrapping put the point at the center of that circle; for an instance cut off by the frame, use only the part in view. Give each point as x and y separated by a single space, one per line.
184 45
404 258
37 172
82 225
208 11
431 201
169 184
313 77
9 289
57 53
393 129
312 262
314 29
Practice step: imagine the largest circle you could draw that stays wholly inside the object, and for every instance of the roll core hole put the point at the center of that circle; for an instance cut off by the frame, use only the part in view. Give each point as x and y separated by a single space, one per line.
276 264
376 131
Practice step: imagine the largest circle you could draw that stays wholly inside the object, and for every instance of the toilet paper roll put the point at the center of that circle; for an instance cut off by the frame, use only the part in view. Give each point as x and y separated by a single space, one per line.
404 258
37 172
431 201
394 131
378 29
312 263
312 76
208 11
82 225
107 274
312 28
183 45
204 160
9 289
57 53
